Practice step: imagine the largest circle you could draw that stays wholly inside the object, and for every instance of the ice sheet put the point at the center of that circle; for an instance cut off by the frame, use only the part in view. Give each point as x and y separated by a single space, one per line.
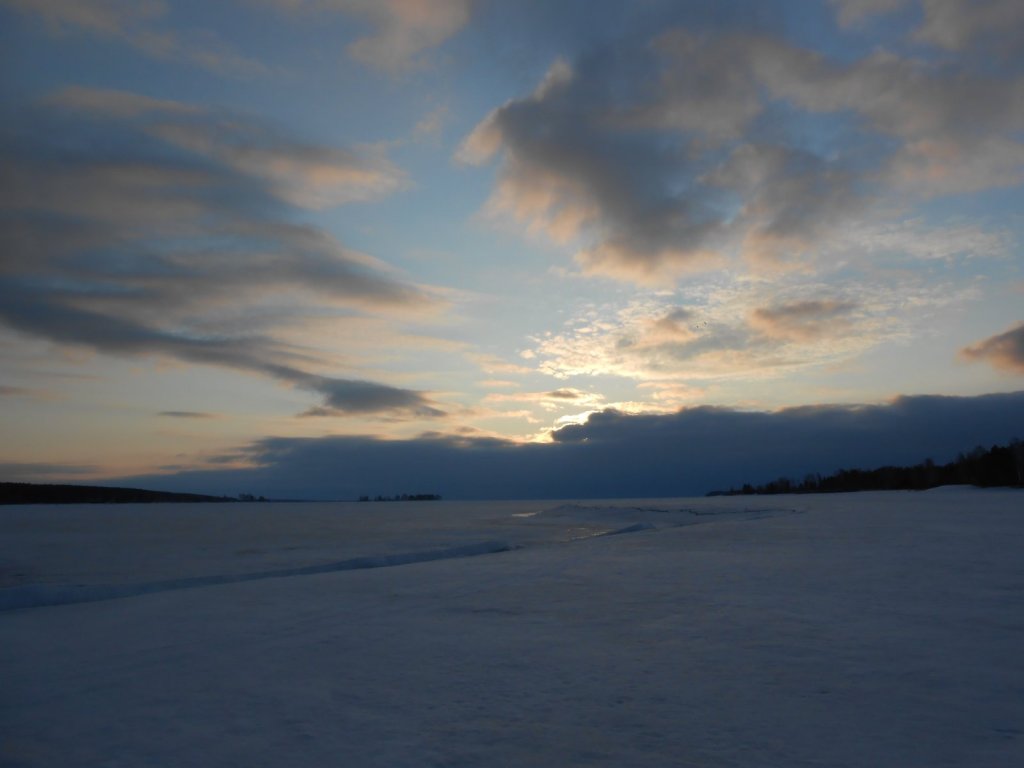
868 629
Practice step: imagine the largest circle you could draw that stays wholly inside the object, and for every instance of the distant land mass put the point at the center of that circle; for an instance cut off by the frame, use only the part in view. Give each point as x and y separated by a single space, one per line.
1000 465
33 493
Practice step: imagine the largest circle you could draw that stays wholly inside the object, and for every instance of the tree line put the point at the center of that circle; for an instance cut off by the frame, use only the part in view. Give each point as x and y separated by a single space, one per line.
1000 465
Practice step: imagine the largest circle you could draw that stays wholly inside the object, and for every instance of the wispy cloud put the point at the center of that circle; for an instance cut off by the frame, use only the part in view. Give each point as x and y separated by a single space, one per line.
123 236
493 364
404 30
305 175
724 329
552 400
142 25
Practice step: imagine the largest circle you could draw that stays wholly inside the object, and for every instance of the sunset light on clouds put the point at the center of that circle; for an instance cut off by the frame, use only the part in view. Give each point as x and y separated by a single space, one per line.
499 234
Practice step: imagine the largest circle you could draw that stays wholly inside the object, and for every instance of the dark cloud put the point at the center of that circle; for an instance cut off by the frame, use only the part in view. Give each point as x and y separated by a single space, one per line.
1004 350
570 169
792 199
564 394
618 455
187 415
679 315
135 226
665 155
350 397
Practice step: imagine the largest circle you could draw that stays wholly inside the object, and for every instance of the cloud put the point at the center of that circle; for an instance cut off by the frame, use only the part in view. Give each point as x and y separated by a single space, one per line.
553 400
613 454
141 25
187 415
566 393
493 364
305 175
122 238
571 173
429 127
113 18
940 167
1004 350
957 24
953 25
723 329
637 184
404 30
803 320
914 238
115 104
49 318
946 128
651 160
792 200
351 397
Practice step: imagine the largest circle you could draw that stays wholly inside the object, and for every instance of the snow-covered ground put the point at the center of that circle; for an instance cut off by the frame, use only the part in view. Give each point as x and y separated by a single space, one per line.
874 629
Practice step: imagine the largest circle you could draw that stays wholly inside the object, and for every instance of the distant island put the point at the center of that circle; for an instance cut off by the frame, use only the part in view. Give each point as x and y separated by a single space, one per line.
33 493
998 466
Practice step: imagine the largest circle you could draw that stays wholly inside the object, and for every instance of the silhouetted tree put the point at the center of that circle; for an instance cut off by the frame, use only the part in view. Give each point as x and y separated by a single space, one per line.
997 466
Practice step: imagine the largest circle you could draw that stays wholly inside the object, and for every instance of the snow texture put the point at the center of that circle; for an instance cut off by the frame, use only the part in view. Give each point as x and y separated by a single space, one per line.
874 629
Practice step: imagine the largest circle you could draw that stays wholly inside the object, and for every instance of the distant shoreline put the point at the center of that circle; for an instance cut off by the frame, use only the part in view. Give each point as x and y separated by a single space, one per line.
67 493
35 493
1001 466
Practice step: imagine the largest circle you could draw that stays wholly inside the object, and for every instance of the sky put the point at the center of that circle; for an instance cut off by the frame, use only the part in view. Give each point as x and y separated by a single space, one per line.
319 248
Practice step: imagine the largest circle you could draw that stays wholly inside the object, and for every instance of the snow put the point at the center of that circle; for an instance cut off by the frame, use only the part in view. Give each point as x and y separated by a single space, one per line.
873 629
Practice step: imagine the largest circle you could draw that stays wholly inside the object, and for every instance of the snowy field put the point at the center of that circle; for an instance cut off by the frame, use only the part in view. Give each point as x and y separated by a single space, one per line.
873 629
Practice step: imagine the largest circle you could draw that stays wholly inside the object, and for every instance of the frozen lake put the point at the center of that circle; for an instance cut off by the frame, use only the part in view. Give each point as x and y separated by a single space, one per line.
874 629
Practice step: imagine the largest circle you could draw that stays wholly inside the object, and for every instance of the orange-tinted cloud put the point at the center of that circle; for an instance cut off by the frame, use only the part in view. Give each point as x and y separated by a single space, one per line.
1004 350
404 30
803 320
